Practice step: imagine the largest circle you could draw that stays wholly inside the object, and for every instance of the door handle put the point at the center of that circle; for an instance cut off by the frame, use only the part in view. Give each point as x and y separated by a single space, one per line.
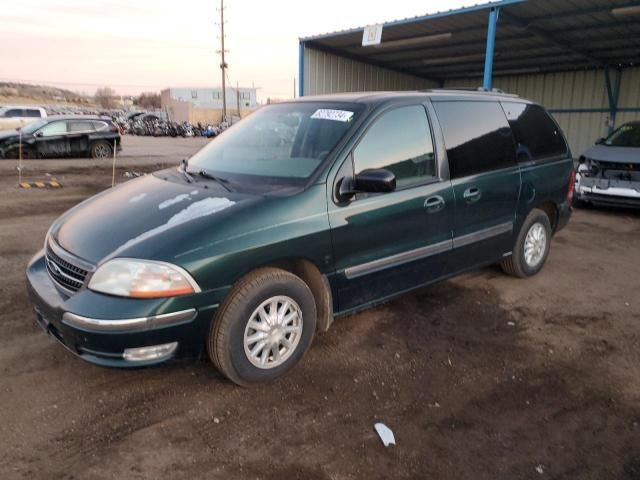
434 204
472 194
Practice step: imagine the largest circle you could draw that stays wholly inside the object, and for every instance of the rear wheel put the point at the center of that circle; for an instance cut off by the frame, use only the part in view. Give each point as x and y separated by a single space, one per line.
263 328
531 247
101 150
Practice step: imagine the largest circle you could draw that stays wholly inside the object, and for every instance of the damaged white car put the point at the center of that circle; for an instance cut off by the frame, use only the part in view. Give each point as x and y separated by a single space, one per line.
609 172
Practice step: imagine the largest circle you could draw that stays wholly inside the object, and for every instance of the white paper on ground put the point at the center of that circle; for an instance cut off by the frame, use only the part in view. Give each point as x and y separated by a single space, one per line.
385 433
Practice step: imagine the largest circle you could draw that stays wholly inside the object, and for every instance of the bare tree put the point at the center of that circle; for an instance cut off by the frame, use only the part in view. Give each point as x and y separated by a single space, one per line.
105 97
148 100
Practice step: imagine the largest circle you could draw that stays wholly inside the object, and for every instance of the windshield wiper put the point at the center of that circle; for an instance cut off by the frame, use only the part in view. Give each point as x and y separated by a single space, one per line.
220 180
183 170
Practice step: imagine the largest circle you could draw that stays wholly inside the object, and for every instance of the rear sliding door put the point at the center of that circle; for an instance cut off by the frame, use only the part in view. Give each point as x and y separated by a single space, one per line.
485 178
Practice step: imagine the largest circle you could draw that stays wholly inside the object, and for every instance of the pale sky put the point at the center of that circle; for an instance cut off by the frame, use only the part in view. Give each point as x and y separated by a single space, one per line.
147 45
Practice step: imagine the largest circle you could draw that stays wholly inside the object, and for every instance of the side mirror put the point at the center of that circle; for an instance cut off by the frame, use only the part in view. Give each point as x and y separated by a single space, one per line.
39 134
375 180
600 141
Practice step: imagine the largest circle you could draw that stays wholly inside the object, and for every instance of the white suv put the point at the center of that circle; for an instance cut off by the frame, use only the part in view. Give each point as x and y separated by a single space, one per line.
17 117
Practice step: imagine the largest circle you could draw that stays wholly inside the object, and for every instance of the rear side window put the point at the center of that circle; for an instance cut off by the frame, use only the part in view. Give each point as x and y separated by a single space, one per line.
537 135
100 126
30 112
79 126
400 141
477 136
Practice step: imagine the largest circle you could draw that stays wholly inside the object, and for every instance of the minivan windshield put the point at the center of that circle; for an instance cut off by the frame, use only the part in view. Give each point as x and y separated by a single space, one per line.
628 135
285 141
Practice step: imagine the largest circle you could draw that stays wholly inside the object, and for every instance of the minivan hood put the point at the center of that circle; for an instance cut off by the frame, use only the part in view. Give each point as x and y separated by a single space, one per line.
142 218
604 153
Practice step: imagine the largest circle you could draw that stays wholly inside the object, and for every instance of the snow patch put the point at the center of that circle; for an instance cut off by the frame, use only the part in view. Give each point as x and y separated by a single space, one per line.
202 208
173 201
137 198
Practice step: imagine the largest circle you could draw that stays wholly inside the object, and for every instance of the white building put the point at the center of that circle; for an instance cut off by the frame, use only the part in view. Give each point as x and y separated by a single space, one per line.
205 104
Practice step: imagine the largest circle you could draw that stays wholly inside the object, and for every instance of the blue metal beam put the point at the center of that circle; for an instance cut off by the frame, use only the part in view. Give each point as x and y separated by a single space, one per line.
613 93
491 45
418 19
301 70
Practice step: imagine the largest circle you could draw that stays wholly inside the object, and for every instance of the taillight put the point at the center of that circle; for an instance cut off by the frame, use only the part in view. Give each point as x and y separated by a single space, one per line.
572 185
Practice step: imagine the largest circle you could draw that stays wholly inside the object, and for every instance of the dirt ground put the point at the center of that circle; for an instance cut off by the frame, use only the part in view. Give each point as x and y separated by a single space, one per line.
481 377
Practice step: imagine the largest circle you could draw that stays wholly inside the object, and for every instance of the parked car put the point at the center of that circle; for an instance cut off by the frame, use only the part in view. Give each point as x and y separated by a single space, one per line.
62 136
609 172
302 212
15 116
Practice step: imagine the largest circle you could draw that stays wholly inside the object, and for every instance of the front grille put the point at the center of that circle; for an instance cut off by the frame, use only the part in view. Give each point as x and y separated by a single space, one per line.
67 275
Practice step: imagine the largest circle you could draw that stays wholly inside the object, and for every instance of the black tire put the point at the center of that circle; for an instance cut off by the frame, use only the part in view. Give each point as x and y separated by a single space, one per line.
226 340
27 153
516 264
101 150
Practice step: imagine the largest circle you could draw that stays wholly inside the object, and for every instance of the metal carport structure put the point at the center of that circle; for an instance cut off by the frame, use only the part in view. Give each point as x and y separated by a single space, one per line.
579 58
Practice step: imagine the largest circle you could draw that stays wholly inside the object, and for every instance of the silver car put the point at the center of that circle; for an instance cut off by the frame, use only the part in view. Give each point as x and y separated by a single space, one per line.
609 172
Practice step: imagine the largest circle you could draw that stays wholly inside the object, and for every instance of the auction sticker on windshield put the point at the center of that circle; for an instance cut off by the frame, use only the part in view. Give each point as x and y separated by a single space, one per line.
330 114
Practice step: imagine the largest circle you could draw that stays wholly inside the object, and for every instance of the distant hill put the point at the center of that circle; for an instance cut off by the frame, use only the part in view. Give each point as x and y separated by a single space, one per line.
22 93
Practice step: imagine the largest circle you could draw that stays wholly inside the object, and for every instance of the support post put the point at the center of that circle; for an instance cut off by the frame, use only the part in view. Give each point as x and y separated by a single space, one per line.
491 43
613 93
301 70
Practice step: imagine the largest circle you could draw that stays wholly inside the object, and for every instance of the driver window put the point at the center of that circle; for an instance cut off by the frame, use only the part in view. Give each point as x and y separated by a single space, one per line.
399 141
55 128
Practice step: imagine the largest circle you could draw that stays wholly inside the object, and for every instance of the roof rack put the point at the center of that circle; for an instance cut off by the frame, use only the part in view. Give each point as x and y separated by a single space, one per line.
495 91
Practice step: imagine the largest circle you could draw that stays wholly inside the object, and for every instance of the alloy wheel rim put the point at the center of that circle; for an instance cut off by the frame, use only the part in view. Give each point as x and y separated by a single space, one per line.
535 244
273 332
101 151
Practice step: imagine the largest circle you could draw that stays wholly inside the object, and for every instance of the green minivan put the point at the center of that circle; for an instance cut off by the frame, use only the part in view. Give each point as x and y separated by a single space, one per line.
302 212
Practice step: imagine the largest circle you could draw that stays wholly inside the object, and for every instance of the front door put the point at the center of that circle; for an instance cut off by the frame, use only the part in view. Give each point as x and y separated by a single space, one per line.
51 140
390 242
485 179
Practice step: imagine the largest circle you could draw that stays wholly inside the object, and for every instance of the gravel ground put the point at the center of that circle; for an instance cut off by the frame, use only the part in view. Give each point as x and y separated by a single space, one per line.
482 377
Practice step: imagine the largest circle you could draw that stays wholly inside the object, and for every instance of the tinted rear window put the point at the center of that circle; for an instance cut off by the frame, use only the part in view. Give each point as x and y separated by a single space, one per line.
537 135
32 113
477 136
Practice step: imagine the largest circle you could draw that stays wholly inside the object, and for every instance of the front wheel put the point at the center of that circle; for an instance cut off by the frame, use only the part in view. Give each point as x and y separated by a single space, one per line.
263 328
531 247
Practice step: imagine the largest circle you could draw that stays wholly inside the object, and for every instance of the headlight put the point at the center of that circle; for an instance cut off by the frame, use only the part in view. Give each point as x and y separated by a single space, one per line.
142 279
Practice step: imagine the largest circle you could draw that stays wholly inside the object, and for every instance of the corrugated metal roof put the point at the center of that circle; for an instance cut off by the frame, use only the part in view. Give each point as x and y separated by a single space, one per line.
532 36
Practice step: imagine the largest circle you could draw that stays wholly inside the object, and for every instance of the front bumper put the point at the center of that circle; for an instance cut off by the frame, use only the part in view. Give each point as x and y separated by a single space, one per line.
99 328
615 193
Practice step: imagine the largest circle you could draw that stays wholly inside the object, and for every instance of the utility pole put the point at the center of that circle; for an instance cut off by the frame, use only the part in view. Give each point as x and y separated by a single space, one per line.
294 87
223 64
238 97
